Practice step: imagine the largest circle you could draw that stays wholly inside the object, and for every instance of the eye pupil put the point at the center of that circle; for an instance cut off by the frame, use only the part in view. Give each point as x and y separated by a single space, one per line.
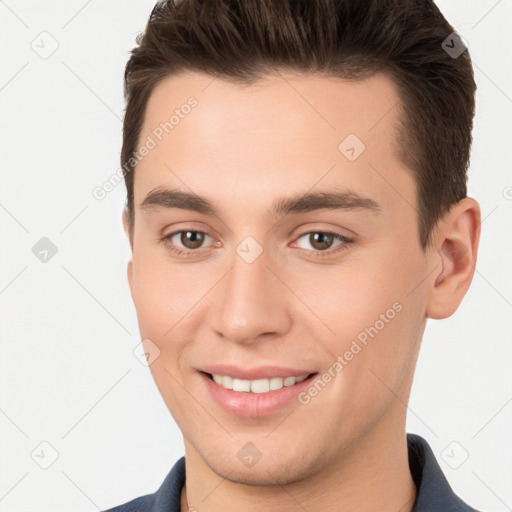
321 241
192 239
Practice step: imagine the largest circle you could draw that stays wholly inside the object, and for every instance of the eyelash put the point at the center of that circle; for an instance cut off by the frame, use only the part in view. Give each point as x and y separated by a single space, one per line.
329 252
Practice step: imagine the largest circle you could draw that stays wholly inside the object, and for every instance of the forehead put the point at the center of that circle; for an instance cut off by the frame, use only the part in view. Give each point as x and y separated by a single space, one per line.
307 105
287 129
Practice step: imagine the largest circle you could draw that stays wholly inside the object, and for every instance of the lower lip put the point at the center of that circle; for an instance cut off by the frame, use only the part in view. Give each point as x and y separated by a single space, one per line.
254 405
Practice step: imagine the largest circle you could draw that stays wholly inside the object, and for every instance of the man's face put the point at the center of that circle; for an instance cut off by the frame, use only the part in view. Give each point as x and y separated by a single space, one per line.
259 294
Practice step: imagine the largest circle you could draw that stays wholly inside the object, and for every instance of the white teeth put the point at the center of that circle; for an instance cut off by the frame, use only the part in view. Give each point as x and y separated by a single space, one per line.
257 385
289 381
241 385
276 383
260 386
227 382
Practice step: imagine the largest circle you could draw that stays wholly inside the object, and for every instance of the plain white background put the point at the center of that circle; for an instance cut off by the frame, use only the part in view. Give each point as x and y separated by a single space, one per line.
69 376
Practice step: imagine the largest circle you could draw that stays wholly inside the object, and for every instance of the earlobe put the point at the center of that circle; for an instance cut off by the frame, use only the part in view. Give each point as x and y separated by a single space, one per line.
456 246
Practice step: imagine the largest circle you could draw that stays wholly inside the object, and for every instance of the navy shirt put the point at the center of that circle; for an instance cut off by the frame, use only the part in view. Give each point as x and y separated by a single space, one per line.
434 493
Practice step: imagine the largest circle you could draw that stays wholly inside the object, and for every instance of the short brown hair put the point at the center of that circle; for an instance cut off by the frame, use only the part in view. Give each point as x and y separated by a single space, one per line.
242 40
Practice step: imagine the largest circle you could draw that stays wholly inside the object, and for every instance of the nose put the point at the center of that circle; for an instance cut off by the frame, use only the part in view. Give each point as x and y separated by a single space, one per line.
250 303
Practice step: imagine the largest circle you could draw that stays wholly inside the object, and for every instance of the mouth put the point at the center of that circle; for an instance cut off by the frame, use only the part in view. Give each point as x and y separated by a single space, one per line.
255 398
257 386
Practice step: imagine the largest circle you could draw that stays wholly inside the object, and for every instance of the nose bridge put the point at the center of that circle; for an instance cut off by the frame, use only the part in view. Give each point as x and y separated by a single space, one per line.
249 303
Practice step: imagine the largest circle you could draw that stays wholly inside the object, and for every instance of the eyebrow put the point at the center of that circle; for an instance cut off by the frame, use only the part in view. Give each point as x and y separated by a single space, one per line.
303 203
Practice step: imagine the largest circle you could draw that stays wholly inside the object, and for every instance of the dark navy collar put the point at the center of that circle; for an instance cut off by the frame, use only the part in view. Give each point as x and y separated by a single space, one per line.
434 493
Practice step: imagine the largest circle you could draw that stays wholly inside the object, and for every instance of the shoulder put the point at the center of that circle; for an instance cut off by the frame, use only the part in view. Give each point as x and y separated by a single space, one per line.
141 504
165 499
434 493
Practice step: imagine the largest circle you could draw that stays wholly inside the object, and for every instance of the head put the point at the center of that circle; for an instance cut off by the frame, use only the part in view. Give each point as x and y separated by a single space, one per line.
296 197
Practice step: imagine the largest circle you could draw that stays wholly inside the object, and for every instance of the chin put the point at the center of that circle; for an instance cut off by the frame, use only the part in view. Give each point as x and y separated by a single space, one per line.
278 469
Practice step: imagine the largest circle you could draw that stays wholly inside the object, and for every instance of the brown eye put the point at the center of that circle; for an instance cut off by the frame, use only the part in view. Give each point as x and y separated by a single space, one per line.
321 241
186 242
192 239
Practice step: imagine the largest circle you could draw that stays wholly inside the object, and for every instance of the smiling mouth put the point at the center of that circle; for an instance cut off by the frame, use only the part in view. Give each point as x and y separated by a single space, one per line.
260 386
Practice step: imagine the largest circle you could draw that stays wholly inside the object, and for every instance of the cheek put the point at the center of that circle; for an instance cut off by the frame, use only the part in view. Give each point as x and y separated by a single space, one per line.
365 311
162 294
374 329
164 297
171 301
346 299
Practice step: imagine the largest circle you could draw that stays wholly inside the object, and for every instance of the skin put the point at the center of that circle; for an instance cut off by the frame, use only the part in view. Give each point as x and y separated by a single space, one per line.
295 305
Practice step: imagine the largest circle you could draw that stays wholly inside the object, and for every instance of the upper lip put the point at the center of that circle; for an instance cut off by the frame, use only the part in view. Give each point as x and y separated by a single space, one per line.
261 372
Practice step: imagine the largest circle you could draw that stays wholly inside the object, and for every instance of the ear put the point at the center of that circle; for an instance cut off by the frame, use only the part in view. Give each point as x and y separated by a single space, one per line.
126 224
454 246
126 227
